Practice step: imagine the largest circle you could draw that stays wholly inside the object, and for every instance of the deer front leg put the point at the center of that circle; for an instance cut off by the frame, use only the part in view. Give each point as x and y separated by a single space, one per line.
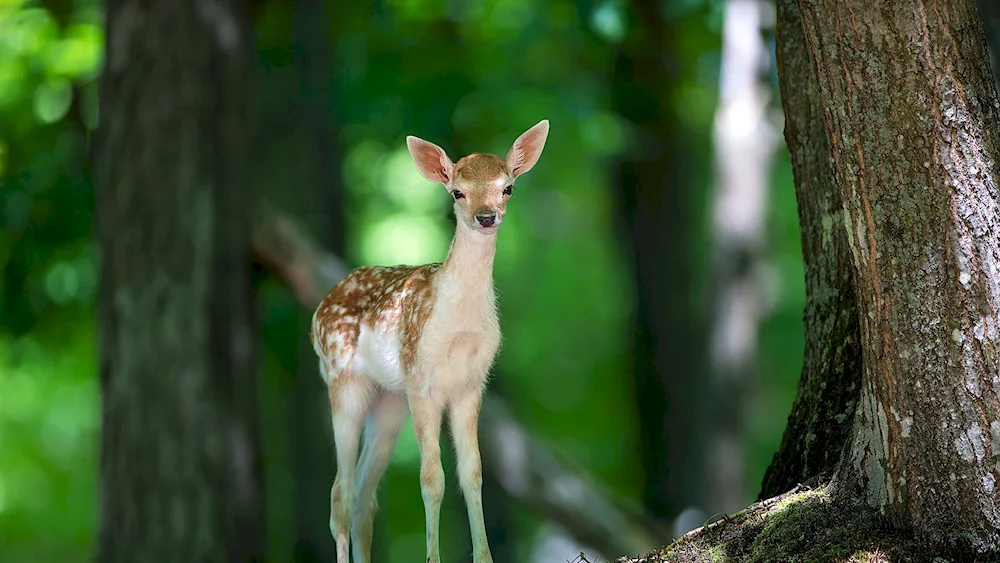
427 414
464 421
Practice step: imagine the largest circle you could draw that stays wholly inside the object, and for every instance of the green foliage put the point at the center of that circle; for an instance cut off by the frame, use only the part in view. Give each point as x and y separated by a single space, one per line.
48 389
48 435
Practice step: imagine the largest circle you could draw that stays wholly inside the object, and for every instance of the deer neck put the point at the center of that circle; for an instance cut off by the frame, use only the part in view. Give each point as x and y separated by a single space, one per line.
467 273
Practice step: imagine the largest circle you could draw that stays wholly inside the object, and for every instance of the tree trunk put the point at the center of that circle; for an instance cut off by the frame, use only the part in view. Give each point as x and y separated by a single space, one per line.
745 142
180 465
310 432
654 192
910 111
989 11
820 422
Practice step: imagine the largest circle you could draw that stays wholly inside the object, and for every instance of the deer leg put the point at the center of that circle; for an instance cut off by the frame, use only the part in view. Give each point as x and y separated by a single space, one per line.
348 403
464 422
381 432
427 414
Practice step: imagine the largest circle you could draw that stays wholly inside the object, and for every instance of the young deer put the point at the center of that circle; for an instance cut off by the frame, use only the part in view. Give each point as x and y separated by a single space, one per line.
420 339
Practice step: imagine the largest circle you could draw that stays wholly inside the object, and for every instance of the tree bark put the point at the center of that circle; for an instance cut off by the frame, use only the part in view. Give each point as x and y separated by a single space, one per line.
655 199
180 466
910 110
320 194
820 422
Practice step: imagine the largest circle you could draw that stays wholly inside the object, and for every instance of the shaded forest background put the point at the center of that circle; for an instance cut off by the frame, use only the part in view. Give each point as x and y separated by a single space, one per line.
608 268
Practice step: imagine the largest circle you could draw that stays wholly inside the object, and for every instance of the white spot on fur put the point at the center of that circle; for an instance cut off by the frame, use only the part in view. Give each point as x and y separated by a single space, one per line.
957 336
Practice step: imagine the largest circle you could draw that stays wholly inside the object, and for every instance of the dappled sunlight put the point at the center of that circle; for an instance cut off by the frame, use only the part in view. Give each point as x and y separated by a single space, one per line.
403 239
401 210
409 191
39 60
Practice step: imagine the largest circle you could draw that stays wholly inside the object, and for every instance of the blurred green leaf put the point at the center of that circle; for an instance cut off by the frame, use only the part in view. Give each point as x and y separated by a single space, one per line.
52 99
78 53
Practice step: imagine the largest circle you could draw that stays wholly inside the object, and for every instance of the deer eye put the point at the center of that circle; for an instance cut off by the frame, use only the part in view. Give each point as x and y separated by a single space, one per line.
457 194
508 190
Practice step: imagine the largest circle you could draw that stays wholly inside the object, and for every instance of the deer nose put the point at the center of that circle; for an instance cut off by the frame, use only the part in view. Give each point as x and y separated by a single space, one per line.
486 218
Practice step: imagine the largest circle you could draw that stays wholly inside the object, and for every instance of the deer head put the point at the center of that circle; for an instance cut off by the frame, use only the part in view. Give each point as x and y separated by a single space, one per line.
481 184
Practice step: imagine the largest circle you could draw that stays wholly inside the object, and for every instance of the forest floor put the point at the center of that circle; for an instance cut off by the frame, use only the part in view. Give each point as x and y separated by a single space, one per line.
803 526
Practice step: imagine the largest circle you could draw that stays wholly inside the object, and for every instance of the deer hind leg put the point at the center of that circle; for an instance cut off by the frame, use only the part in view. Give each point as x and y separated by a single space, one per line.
385 418
464 422
350 397
427 413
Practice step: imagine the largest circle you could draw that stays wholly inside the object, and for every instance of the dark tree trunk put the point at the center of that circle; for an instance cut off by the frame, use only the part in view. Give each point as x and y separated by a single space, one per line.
654 192
310 428
180 465
821 417
989 11
910 111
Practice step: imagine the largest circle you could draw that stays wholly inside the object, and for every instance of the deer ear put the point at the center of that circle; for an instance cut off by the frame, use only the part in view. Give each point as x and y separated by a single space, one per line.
431 160
524 153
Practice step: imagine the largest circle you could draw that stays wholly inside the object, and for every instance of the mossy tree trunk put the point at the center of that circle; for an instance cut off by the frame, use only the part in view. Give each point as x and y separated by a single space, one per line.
821 418
909 112
180 469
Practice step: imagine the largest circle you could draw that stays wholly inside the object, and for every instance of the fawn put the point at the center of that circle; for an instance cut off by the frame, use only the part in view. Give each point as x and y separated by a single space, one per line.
419 339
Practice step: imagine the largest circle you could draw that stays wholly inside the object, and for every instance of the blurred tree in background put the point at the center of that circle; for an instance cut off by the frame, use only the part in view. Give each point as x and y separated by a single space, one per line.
180 467
601 268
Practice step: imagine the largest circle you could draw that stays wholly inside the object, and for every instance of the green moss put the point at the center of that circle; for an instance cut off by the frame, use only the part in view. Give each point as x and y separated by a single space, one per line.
716 554
803 527
799 527
868 556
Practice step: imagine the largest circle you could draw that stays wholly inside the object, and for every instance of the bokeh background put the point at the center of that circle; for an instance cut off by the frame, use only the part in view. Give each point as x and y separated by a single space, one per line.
649 273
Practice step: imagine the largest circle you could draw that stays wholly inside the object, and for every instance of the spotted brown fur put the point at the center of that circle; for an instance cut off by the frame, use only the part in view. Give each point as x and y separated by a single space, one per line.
396 299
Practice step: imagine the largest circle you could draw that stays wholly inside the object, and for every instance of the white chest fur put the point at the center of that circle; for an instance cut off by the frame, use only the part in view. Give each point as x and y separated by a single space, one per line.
460 340
456 347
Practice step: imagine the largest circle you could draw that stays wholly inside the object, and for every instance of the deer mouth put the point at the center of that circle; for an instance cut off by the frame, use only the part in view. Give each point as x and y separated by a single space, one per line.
492 229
